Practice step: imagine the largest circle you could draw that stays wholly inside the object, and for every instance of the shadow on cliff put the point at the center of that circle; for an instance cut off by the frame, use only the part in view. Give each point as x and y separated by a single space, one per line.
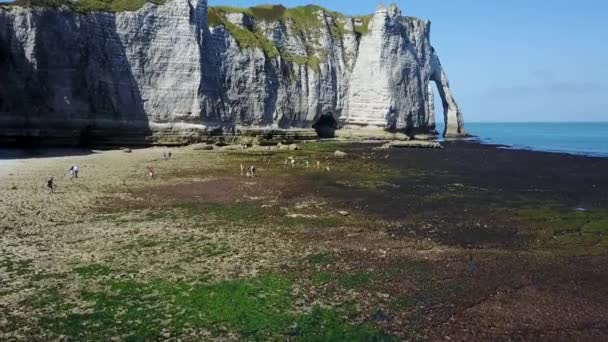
38 153
75 89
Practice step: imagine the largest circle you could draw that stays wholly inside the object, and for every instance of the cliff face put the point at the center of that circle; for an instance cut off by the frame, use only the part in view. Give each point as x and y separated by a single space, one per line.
178 70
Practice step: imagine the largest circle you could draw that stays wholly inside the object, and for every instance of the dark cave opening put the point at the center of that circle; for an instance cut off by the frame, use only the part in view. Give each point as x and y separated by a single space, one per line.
326 126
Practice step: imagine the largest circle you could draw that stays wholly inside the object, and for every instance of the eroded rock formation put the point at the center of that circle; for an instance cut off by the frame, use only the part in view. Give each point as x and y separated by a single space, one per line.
177 72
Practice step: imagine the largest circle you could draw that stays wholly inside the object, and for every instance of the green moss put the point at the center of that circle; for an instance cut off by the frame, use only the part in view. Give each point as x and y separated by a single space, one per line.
354 280
257 309
320 258
428 287
93 271
322 278
565 222
16 267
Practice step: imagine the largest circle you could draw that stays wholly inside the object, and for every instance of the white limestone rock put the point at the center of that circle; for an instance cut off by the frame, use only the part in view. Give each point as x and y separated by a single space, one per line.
160 73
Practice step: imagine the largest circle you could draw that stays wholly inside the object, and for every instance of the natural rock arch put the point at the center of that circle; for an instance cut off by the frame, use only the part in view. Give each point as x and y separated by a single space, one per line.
452 117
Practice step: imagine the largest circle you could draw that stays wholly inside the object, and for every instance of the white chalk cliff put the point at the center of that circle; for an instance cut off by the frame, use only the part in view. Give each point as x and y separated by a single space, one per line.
170 71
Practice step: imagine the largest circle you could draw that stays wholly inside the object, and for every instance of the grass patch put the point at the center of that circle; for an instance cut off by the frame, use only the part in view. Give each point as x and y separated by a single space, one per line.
93 271
434 292
428 289
345 280
565 227
16 267
320 258
365 20
305 20
86 6
322 278
354 280
323 222
257 309
236 213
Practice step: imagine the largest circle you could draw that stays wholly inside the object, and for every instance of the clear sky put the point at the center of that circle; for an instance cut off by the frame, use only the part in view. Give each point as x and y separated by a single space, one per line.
511 60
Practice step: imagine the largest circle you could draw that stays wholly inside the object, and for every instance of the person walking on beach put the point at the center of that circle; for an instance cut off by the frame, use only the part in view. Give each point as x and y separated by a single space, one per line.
75 171
71 172
50 185
150 172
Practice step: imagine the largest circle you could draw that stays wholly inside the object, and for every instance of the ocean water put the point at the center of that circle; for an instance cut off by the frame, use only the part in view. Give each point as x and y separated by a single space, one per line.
584 138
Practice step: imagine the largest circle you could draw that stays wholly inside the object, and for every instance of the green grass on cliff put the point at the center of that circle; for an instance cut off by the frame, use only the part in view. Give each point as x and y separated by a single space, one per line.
86 6
305 20
364 28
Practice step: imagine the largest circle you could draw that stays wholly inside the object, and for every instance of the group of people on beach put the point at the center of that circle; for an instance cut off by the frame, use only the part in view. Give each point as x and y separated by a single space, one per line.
250 171
291 161
72 172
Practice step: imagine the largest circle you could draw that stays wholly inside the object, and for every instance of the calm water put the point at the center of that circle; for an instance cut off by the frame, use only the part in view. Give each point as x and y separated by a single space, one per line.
588 138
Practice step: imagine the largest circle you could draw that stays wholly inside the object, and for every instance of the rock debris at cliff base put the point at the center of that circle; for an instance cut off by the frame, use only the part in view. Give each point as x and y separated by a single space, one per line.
180 70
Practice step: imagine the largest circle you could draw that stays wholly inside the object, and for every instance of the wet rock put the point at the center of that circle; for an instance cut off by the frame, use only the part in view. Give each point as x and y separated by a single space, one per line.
203 147
380 316
415 144
340 154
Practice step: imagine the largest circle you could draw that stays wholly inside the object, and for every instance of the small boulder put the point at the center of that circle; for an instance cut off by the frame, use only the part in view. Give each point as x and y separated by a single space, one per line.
340 154
343 213
294 147
203 147
127 150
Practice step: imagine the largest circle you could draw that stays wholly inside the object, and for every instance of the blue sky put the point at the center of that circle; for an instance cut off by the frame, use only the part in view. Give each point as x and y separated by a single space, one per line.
511 60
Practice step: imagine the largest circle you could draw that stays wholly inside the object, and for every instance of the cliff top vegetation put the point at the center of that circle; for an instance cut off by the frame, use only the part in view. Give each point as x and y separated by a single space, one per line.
306 22
86 6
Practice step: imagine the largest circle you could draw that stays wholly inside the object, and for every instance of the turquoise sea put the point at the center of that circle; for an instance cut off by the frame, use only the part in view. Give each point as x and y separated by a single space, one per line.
584 138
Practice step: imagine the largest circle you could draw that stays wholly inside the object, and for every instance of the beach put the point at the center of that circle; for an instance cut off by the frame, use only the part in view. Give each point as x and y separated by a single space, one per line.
467 242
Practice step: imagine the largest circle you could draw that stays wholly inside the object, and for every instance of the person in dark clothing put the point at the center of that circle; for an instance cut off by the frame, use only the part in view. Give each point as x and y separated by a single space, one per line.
50 185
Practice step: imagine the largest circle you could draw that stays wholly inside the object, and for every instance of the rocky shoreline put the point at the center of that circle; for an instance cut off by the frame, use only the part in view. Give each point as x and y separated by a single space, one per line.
466 236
